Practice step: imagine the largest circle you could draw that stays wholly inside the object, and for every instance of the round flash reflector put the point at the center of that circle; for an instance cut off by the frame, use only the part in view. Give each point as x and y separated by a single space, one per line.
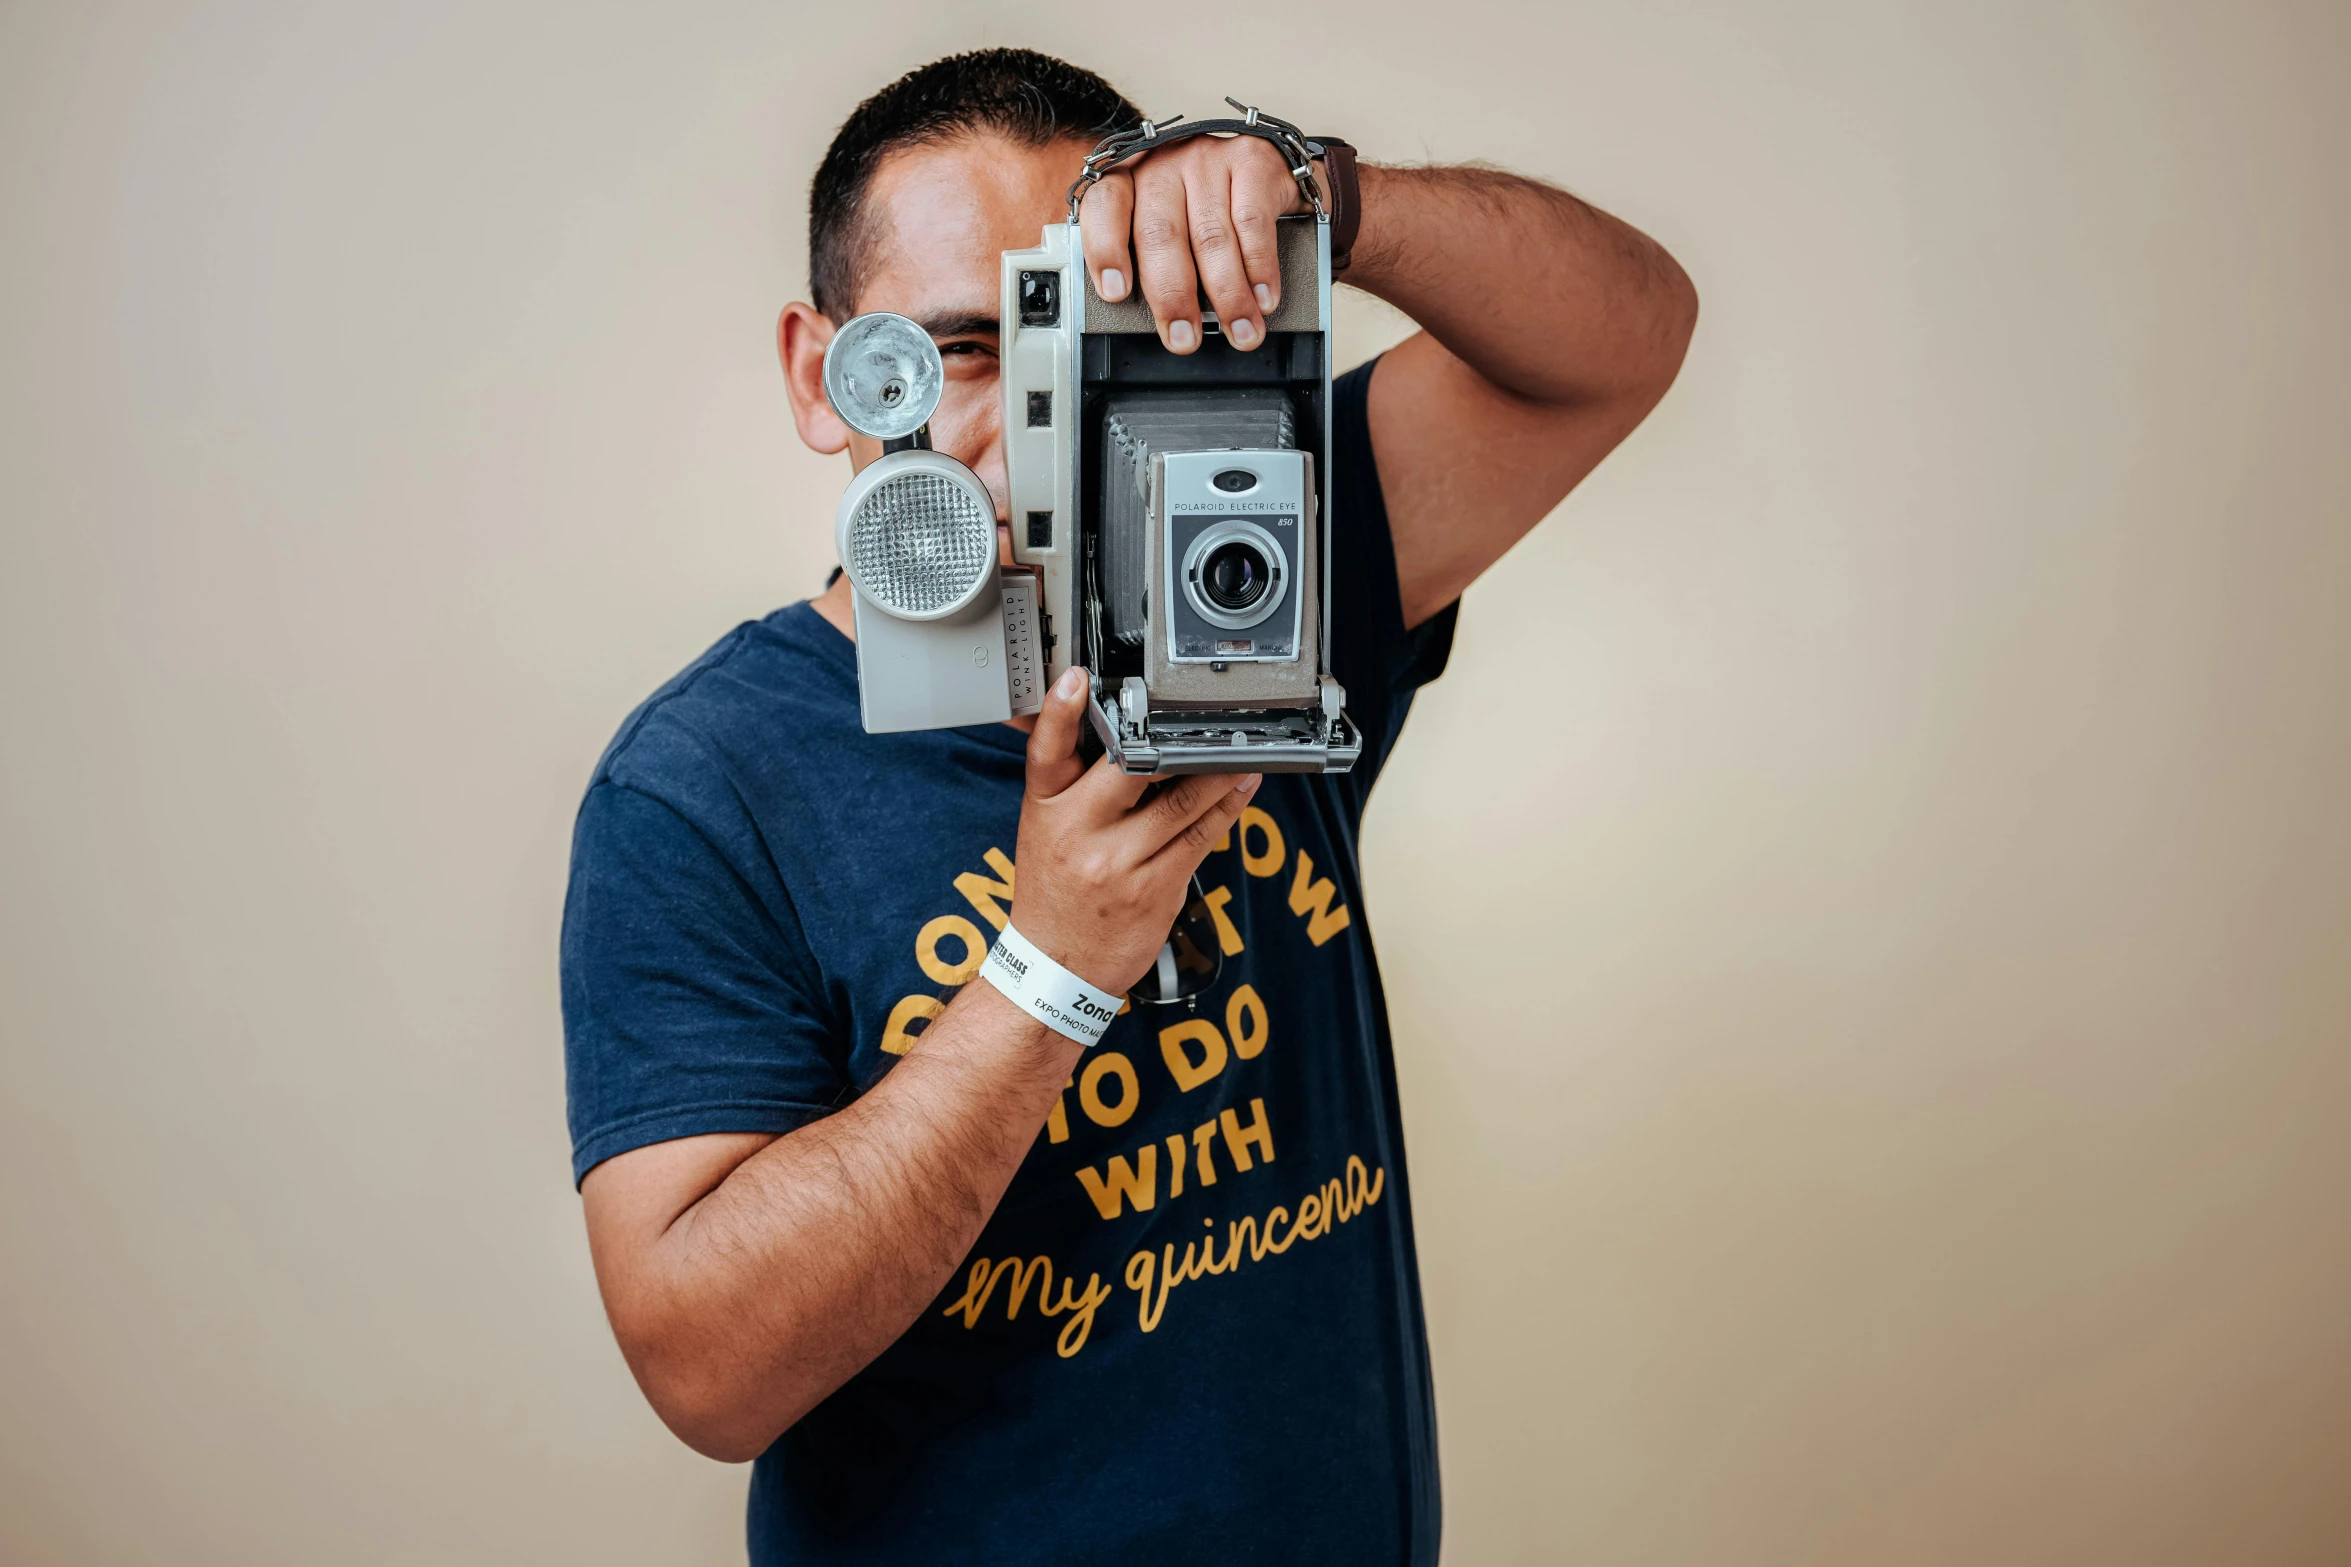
918 535
883 376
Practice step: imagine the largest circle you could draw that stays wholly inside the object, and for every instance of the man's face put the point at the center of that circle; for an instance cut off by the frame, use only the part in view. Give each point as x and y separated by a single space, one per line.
940 219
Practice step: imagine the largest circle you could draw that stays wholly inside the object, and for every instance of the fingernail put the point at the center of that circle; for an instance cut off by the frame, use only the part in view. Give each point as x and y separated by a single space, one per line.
1250 783
1114 283
1180 335
1264 297
1072 681
1245 333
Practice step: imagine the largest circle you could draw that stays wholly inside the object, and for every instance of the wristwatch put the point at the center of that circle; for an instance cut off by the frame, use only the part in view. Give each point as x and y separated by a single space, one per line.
1346 196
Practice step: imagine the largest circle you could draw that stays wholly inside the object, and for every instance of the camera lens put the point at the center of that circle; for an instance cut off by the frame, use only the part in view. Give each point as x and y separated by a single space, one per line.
1234 575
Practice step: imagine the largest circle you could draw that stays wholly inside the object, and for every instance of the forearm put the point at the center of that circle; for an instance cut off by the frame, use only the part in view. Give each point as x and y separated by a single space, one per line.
815 1253
748 1277
1546 298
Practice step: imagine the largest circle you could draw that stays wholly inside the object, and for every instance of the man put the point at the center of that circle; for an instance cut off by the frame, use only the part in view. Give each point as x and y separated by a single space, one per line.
966 1292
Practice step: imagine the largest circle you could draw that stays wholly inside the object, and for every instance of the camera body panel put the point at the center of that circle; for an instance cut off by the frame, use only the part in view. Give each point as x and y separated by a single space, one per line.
1113 448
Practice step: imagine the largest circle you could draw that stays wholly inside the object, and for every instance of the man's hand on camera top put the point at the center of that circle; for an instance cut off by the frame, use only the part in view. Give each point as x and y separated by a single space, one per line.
1104 872
1202 215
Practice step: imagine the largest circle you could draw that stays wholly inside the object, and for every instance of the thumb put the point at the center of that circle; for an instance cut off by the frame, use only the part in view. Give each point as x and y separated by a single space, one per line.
1053 744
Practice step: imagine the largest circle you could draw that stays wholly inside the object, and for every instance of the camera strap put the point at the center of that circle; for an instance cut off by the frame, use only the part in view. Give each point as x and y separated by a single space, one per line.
1342 208
1048 992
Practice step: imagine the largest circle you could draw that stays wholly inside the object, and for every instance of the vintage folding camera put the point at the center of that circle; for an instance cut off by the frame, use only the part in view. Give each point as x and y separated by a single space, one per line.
1170 520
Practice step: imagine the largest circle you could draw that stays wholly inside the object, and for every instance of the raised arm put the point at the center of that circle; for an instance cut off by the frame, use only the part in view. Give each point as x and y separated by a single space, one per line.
1549 329
748 1276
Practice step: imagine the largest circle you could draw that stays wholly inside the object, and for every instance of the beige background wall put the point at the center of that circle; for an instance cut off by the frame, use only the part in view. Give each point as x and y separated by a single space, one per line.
1869 912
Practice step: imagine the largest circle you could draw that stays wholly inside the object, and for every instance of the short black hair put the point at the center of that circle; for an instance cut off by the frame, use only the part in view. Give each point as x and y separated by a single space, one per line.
1031 98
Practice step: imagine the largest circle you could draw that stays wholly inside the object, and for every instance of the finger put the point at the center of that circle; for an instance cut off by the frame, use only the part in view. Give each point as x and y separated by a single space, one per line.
1163 255
1216 252
1181 803
1189 847
1108 792
1053 744
1103 220
1262 192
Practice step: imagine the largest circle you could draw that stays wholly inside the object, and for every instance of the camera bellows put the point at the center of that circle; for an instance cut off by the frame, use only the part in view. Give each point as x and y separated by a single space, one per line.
1141 423
920 544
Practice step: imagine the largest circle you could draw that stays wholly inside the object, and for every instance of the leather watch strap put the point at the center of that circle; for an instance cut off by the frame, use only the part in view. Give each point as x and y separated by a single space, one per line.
1345 195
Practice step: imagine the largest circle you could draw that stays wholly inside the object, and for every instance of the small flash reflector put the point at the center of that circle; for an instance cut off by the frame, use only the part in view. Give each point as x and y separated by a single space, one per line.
883 376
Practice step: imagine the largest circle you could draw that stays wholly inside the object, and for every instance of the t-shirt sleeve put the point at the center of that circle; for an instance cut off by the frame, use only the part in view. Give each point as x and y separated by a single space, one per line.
1380 663
691 1003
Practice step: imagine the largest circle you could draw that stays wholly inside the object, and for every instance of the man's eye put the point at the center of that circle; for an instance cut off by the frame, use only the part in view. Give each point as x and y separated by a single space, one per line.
966 350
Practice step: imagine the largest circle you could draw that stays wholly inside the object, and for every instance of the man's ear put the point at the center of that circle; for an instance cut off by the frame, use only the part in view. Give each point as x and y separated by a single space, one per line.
802 335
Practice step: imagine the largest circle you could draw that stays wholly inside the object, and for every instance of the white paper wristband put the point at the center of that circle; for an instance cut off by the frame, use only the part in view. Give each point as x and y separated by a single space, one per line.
1046 991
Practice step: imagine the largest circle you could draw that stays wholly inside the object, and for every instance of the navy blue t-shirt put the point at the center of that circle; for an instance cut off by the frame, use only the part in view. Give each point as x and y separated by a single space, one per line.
1192 1330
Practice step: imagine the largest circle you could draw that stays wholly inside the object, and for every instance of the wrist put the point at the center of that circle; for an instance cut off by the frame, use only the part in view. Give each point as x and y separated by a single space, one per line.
1008 1026
1035 981
1342 199
1371 255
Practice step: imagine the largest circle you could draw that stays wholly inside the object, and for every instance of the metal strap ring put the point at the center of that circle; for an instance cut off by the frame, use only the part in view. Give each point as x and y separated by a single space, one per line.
1151 135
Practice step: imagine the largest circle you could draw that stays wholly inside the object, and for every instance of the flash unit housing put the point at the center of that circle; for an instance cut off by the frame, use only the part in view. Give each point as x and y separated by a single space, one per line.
944 636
